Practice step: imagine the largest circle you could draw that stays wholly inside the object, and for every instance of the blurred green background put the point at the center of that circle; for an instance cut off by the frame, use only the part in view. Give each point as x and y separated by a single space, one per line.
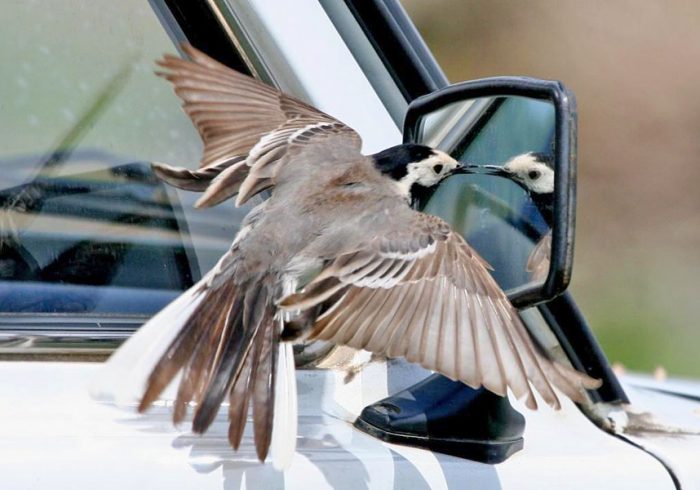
635 69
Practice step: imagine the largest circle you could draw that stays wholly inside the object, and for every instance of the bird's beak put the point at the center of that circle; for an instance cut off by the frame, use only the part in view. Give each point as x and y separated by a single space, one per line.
469 168
494 170
466 168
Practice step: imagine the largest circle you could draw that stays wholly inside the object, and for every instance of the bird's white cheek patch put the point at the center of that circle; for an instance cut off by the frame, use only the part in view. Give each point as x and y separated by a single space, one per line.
421 173
544 184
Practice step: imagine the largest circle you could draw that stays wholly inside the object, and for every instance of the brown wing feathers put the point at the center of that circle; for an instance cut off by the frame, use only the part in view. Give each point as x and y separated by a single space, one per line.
230 110
246 126
193 180
432 301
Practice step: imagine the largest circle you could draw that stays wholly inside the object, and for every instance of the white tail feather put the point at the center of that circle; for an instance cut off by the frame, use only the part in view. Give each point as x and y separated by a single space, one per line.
284 425
123 377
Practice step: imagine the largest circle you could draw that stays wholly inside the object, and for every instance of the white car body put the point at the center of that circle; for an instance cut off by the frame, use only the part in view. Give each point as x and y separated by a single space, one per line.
55 436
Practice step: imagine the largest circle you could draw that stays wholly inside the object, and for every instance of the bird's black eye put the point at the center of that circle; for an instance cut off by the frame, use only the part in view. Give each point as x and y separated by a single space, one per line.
437 169
534 174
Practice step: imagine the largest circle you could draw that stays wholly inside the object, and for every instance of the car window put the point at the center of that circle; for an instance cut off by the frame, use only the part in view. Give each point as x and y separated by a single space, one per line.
85 227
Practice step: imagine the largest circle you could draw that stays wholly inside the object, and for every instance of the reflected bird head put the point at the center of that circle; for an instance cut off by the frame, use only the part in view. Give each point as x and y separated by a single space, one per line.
532 171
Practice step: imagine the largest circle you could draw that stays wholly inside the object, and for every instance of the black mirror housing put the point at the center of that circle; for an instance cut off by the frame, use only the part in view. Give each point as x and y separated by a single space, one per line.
563 162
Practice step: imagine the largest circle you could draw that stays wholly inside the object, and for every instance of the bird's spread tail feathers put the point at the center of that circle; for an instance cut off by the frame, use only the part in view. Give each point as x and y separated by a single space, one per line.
284 431
123 377
224 339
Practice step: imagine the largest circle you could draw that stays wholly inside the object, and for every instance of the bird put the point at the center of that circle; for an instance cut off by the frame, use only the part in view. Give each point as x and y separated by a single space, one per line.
335 253
534 172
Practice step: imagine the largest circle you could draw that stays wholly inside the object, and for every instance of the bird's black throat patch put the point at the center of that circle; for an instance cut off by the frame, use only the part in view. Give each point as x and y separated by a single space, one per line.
393 162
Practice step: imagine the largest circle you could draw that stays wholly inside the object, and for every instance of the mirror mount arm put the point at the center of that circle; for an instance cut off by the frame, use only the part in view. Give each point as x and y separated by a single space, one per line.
525 296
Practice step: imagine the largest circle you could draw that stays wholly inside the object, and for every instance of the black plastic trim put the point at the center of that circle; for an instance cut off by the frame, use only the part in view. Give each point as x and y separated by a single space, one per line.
581 347
448 417
564 160
202 29
399 45
485 451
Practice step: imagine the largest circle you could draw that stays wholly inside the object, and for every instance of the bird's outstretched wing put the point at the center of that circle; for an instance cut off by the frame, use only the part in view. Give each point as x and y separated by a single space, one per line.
539 259
248 129
419 291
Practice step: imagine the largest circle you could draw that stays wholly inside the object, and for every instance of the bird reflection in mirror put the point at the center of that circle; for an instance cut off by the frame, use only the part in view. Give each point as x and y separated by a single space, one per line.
534 172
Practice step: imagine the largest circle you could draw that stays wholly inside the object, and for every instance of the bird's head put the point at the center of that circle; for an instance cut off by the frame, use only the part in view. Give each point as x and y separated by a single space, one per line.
532 171
415 166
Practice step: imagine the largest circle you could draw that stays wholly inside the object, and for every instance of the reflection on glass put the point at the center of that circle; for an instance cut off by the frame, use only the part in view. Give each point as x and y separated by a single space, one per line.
85 227
504 210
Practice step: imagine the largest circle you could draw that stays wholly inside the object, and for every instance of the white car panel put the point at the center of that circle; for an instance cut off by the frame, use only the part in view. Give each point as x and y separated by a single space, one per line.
665 421
55 436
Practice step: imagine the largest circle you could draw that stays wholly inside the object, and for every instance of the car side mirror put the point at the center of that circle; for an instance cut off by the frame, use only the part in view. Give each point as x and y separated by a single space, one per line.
516 137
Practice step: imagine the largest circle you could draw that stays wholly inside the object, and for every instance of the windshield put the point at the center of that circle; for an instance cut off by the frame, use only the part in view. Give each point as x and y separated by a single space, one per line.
85 227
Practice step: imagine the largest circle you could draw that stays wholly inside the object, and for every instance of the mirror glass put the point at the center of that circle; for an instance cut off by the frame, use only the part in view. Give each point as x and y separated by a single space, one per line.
504 208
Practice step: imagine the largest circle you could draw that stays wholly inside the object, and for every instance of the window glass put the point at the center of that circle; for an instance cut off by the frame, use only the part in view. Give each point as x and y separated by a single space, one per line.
85 227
